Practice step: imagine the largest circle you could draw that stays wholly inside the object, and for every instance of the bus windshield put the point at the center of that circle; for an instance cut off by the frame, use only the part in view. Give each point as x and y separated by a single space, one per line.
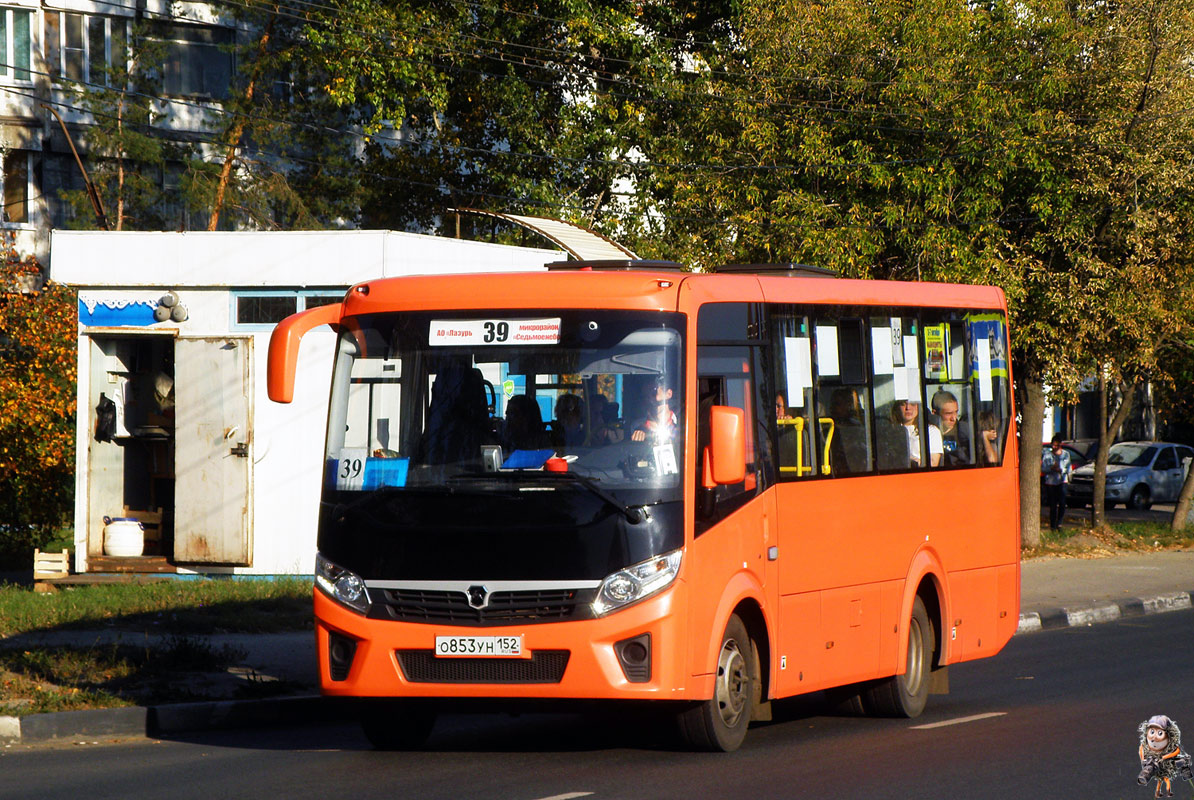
435 416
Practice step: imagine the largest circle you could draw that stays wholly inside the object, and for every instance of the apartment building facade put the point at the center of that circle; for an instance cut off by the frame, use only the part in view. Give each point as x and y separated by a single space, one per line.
55 49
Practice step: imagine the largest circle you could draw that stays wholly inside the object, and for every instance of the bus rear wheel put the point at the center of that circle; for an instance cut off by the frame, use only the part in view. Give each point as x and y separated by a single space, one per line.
396 724
720 722
905 695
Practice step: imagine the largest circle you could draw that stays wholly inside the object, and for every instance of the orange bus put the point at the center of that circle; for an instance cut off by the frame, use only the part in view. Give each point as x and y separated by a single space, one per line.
623 481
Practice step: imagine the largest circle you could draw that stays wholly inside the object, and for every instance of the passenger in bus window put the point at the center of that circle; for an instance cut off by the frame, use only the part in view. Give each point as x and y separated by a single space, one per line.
568 429
781 407
988 428
848 449
789 449
524 425
891 443
906 413
611 431
660 423
954 440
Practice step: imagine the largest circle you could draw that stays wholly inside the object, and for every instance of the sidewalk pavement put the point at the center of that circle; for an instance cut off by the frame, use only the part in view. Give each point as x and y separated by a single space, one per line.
1054 593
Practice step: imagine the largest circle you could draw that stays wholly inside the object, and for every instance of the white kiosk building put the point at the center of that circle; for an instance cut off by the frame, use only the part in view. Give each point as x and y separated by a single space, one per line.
174 426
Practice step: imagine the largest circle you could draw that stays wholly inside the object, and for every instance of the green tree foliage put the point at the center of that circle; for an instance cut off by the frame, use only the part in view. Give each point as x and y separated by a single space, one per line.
534 109
37 405
127 153
282 154
1042 147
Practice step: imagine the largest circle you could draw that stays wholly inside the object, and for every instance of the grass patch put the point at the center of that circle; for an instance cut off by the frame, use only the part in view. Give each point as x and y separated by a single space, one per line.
1114 537
185 607
48 679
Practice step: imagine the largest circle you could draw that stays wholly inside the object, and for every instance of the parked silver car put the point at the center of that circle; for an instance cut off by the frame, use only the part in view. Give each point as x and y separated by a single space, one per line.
1138 474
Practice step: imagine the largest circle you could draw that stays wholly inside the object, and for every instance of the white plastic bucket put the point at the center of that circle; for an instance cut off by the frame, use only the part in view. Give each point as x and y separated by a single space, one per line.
124 537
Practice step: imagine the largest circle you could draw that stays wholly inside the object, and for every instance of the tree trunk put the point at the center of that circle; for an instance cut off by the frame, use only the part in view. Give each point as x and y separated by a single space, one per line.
1107 434
238 128
1032 419
1182 510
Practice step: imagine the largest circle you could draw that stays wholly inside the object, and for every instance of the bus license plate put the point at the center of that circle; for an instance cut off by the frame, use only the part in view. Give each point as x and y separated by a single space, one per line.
478 646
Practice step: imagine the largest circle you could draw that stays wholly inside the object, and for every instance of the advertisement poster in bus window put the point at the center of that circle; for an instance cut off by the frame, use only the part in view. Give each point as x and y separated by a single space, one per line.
937 352
988 353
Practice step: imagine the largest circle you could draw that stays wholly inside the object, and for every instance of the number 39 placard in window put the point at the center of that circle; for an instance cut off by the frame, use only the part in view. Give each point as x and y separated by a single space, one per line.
447 333
350 469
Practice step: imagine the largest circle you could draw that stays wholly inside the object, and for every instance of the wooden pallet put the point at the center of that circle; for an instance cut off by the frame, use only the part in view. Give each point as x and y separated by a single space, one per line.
129 564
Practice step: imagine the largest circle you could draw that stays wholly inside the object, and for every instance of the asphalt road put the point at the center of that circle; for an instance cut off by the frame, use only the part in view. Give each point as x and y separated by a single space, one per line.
1054 715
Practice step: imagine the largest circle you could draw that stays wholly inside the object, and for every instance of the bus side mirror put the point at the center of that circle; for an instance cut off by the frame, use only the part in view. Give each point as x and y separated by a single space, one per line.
284 348
727 445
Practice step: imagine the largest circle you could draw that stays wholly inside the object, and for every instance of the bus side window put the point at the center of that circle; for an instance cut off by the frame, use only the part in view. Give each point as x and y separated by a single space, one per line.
843 422
724 379
895 385
951 401
795 420
987 335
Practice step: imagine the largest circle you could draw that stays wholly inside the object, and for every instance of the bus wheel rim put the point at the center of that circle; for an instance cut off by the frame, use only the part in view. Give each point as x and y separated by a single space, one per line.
915 672
733 684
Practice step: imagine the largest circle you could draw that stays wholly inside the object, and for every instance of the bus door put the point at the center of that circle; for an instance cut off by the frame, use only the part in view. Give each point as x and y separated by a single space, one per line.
733 524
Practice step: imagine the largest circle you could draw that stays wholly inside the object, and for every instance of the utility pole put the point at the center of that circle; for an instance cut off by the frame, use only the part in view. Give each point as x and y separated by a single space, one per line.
92 192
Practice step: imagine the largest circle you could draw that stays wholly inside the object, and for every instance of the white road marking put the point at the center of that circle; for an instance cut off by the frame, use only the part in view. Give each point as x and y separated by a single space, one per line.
568 796
959 720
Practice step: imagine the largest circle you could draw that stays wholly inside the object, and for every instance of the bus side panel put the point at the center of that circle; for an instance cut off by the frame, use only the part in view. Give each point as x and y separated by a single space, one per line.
724 565
987 610
975 595
850 632
798 649
840 534
891 626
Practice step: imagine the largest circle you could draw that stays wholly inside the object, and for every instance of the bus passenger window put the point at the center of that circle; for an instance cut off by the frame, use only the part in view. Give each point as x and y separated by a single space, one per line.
796 455
953 425
849 451
895 387
987 336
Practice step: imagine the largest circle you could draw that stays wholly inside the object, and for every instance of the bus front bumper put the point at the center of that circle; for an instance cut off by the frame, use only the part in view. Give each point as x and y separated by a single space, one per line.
563 660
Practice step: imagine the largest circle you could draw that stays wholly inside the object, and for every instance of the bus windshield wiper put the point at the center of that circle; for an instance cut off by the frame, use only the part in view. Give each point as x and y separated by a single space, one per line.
633 515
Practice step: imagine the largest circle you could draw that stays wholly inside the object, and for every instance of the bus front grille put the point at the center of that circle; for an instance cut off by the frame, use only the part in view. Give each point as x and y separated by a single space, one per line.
503 608
544 666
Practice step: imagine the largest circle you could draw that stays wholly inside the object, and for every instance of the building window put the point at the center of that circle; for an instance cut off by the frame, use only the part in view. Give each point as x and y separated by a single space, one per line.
261 309
14 32
16 186
197 61
85 48
257 310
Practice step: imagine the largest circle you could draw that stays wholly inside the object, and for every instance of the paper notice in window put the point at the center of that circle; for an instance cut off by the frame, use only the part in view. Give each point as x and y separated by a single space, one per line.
881 349
900 386
982 348
827 365
798 363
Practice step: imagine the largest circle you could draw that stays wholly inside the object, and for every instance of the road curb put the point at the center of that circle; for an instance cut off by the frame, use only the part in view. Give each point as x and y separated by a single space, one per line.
1052 618
173 718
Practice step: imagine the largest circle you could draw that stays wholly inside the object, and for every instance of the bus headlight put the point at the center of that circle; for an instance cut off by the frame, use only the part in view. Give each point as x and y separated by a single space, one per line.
342 585
636 582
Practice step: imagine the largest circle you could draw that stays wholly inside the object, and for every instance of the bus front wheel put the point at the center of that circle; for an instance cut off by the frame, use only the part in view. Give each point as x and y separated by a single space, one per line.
396 724
905 695
720 722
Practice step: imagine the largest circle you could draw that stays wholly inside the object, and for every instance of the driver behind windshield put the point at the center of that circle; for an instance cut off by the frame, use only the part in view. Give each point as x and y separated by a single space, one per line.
660 422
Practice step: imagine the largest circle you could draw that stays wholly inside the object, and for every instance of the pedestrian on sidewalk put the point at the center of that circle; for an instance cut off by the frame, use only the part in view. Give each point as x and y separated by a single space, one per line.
1056 468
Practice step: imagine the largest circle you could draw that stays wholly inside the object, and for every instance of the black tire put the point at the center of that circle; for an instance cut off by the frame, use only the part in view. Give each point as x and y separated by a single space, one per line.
396 724
905 695
848 700
1141 499
720 723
